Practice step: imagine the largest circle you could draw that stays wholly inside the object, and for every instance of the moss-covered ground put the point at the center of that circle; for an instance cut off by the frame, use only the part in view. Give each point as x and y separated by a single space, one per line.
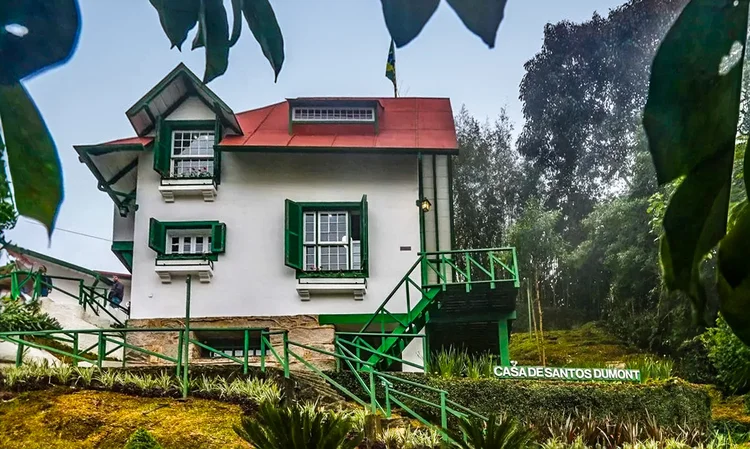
587 345
62 418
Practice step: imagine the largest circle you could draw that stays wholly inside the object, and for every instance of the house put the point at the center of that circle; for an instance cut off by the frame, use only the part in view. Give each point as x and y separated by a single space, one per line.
304 215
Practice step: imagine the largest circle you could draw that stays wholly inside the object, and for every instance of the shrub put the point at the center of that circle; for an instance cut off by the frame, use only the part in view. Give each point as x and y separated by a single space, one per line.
747 403
17 316
494 434
297 428
693 363
729 356
459 363
141 439
670 404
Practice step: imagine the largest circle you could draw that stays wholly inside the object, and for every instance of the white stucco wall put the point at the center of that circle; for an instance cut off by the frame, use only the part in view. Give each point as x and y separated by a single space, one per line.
251 278
123 228
192 109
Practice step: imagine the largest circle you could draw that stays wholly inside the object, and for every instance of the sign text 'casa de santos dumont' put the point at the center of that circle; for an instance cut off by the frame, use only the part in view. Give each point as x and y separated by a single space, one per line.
574 374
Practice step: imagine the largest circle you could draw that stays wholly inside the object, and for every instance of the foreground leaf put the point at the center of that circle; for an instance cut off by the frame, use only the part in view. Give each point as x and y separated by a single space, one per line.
691 120
52 34
482 17
236 22
262 22
215 28
177 18
734 274
32 157
406 19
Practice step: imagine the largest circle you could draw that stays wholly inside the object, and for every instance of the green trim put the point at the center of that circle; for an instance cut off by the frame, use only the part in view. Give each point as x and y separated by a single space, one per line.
347 150
435 200
194 86
158 237
101 149
422 238
199 125
330 206
123 250
62 263
503 341
361 318
450 201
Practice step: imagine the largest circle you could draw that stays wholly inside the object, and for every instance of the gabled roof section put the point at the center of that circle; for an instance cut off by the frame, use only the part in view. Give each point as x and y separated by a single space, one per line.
114 164
169 93
403 125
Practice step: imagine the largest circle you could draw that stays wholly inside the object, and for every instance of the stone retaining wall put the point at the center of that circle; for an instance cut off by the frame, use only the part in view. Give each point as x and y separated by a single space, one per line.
303 329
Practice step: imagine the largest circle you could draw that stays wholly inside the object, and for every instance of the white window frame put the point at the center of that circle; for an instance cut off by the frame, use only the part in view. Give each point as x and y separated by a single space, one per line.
317 243
181 235
333 114
177 157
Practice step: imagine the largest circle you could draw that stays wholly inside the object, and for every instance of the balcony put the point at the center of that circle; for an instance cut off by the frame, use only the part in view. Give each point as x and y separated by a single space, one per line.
174 187
168 266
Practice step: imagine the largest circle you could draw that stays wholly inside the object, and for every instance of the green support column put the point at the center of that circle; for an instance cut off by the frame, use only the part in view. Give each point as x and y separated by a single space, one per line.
502 330
503 337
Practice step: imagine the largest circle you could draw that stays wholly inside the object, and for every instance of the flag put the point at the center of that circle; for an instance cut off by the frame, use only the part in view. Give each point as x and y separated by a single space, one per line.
390 68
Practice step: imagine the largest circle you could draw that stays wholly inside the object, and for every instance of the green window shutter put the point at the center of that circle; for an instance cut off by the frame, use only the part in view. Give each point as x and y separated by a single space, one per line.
364 249
218 238
293 234
217 153
157 236
163 148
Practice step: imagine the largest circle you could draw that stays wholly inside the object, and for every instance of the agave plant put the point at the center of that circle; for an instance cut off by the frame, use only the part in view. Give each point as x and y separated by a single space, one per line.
296 428
84 376
495 433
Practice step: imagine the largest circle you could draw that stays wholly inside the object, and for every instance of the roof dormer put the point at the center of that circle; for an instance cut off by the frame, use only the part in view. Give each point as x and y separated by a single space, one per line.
333 115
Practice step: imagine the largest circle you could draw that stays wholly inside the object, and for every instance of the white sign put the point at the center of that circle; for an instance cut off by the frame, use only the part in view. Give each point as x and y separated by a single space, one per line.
574 374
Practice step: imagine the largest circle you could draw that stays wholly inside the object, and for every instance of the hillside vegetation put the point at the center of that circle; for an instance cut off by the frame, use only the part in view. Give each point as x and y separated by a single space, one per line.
62 418
589 344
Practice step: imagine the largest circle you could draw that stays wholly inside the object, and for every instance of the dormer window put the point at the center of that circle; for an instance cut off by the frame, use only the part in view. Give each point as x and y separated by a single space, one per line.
192 154
333 114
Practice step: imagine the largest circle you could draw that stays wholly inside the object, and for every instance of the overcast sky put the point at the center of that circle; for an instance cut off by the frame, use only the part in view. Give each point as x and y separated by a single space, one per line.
333 48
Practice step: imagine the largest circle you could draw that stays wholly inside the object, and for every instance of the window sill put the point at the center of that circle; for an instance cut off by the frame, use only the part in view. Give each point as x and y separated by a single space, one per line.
357 274
307 287
166 267
173 187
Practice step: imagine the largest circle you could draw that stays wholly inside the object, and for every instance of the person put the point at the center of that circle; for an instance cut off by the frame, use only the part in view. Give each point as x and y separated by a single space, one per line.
46 282
116 292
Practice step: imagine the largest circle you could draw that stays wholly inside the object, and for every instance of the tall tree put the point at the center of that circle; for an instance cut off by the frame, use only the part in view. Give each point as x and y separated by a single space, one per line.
583 95
487 181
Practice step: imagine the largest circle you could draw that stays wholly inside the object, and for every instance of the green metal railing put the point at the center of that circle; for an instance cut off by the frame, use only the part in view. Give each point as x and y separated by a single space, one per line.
437 271
382 391
91 297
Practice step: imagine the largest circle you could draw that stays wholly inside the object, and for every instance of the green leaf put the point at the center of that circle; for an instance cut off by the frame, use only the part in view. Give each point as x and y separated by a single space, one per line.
236 22
405 19
52 28
262 22
691 120
215 28
482 17
734 274
177 18
32 157
198 39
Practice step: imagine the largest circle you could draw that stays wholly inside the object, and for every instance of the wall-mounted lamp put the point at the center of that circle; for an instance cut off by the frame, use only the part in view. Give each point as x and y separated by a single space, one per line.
424 204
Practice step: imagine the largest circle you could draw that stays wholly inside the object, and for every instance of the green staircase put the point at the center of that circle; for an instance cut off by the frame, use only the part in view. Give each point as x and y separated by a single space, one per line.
466 283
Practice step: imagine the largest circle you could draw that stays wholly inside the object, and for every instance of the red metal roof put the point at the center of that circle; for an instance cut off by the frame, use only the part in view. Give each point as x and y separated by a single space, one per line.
403 124
130 140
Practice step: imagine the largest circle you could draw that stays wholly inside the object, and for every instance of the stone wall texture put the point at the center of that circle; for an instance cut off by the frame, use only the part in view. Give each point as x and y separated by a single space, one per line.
302 329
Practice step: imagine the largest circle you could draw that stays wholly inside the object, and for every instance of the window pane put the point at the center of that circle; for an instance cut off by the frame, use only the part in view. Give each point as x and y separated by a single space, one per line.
192 153
187 245
309 228
199 244
310 264
356 256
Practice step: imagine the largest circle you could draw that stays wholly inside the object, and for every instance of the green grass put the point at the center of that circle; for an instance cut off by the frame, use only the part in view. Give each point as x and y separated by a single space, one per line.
587 346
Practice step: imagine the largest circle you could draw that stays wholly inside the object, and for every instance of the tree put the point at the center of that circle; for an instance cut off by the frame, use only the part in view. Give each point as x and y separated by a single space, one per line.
487 181
583 95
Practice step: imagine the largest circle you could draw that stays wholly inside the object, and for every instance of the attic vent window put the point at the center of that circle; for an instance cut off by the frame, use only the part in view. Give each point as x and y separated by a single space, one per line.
326 114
